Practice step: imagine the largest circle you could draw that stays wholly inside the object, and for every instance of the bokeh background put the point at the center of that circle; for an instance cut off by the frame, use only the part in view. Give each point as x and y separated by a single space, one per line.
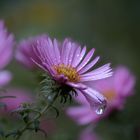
110 26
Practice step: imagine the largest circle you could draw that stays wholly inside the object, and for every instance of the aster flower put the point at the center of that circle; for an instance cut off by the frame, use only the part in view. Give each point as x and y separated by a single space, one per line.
6 50
116 89
24 52
69 66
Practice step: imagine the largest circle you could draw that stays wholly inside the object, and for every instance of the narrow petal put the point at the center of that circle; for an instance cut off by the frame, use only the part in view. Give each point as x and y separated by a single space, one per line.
77 85
72 52
90 65
99 73
56 51
86 60
67 53
41 54
80 57
96 100
80 99
96 77
76 57
98 70
50 49
44 67
63 50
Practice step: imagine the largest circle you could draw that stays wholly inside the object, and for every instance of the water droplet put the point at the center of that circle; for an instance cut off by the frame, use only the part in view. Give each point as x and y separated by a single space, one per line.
101 108
99 111
50 98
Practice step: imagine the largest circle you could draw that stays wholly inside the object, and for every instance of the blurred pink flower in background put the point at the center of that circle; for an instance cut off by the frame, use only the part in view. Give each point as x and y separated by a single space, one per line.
21 96
88 134
6 53
116 89
24 52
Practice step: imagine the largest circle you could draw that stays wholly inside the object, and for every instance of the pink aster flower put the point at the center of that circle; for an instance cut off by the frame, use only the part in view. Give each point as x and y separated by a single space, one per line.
116 89
6 51
69 65
21 96
24 52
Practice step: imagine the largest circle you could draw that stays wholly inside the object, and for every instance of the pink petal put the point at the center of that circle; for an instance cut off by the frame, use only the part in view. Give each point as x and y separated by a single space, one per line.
91 64
77 85
96 77
86 60
80 57
100 73
56 51
72 52
98 70
67 52
81 99
96 100
76 57
63 50
50 49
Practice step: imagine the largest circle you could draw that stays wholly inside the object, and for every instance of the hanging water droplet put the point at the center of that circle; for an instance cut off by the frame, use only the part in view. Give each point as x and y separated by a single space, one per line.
100 109
50 98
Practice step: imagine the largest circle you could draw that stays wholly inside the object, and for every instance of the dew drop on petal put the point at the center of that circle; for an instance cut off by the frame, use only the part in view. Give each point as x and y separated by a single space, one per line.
101 108
99 111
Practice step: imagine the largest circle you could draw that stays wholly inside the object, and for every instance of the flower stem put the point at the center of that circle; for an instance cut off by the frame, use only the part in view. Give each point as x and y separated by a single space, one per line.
22 130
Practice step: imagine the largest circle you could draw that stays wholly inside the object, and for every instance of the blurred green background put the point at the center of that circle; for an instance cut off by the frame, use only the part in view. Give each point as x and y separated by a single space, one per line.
110 26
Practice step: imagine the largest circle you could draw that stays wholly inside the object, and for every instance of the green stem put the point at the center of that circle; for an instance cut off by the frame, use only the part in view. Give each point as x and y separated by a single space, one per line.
22 130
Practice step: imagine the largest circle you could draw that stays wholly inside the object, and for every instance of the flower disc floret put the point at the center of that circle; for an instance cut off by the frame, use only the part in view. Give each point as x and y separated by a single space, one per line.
68 71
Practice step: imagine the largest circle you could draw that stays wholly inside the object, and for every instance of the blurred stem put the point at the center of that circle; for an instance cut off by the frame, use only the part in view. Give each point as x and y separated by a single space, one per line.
43 111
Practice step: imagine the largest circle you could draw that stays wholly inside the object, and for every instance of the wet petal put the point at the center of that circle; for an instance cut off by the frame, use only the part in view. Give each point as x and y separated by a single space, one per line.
96 77
86 59
96 100
98 70
72 52
80 57
67 52
75 60
56 51
88 66
99 73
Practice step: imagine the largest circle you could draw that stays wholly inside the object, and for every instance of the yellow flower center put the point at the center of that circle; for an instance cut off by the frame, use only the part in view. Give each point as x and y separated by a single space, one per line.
110 95
68 71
